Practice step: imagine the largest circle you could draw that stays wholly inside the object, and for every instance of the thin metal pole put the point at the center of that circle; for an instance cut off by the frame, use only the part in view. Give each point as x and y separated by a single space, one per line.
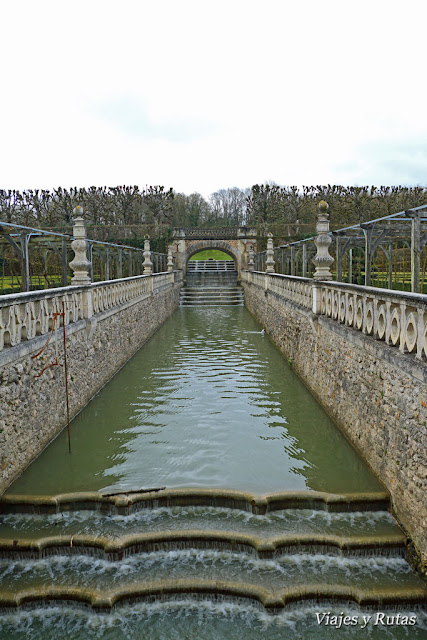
415 251
66 377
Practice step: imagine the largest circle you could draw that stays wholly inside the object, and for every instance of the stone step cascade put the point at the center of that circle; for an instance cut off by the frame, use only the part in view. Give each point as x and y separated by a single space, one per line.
211 279
278 551
211 282
192 296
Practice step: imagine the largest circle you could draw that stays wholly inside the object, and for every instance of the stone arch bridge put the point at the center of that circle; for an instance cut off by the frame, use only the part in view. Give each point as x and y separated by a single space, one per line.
235 241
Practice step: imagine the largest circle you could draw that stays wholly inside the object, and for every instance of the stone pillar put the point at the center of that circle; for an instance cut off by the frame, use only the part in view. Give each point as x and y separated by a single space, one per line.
270 255
322 260
80 264
148 265
251 262
317 298
170 259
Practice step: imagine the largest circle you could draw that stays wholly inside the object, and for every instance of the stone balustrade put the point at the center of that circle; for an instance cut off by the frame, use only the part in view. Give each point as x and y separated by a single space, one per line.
396 317
298 290
24 316
107 295
256 277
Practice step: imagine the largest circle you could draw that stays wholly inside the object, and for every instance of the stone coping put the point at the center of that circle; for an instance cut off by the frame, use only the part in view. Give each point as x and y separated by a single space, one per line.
264 548
285 276
242 500
29 296
103 283
274 602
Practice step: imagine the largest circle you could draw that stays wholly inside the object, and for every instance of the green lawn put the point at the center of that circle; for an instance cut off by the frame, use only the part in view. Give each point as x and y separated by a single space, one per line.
12 285
213 254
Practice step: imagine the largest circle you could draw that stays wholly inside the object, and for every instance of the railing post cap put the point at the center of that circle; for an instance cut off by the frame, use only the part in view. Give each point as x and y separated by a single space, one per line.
78 211
323 207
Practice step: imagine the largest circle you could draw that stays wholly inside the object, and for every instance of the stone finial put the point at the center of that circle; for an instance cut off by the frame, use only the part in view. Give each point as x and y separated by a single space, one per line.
170 259
322 260
251 261
270 254
148 265
80 264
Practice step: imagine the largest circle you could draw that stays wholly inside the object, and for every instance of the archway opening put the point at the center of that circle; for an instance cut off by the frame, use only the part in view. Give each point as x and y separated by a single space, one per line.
210 254
197 249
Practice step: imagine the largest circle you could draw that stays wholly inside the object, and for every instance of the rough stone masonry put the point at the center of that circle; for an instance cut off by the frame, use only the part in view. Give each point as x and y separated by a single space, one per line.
33 410
377 396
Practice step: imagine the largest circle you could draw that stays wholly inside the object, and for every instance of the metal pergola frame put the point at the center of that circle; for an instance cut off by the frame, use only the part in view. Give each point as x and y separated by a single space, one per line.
20 237
407 227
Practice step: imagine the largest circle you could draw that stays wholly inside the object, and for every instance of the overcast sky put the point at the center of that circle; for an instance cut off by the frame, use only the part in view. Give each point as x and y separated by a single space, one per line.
205 95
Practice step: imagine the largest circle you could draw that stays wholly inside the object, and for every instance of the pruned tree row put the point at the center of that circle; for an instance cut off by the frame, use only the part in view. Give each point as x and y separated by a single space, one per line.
159 208
271 204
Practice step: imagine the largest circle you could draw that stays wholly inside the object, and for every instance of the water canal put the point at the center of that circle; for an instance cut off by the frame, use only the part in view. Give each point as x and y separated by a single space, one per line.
208 403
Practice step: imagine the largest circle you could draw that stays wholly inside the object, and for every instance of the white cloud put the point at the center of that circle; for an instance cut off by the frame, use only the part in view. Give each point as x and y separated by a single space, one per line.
200 96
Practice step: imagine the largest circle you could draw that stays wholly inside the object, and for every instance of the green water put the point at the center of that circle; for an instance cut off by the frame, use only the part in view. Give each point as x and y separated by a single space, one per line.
208 402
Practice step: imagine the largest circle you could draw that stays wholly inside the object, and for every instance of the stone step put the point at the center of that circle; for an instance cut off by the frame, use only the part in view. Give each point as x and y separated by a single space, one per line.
215 299
203 300
213 303
212 295
125 501
210 265
377 599
211 278
211 290
212 268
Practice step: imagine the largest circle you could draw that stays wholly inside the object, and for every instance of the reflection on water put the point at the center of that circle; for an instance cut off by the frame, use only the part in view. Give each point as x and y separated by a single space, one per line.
207 402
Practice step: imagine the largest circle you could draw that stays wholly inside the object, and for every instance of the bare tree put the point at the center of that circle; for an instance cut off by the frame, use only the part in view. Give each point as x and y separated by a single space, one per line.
228 206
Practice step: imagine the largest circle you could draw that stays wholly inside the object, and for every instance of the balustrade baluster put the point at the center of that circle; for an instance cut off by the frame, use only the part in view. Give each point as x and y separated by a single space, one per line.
402 327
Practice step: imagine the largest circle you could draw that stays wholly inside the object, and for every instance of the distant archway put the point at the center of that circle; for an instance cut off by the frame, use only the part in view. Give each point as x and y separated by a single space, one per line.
226 246
235 242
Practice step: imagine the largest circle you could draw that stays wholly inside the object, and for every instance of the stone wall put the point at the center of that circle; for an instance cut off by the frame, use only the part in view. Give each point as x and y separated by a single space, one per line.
33 409
374 392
